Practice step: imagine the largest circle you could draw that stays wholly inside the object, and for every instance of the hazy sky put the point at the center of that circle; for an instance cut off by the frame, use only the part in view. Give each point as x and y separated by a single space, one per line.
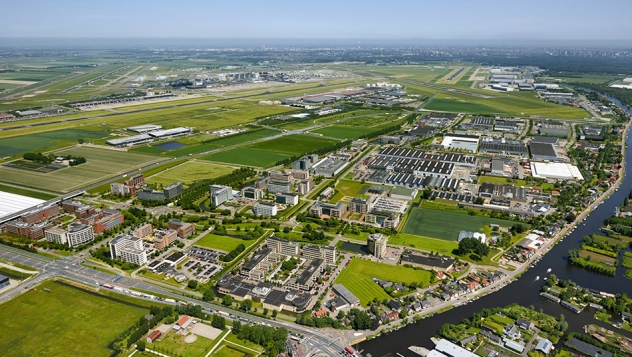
367 19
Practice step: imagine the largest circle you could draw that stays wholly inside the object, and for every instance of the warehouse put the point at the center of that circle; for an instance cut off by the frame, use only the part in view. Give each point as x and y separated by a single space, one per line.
485 124
142 129
543 152
545 140
464 142
130 140
555 170
503 147
328 167
12 203
457 159
554 129
506 125
170 132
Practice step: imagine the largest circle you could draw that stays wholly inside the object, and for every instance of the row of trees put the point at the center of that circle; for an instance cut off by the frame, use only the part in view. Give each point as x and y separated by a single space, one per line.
199 189
273 340
233 253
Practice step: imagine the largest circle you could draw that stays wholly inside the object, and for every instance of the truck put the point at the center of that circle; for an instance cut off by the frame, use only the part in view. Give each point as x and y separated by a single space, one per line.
108 286
170 300
349 351
116 278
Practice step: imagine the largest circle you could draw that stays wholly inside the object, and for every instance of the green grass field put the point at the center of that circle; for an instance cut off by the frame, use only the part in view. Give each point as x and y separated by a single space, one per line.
28 193
224 243
248 157
293 144
189 172
424 243
357 278
174 343
344 132
63 322
348 188
100 164
446 225
199 147
40 142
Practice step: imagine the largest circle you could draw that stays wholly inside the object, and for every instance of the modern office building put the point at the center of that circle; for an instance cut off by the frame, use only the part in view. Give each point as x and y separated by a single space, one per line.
328 209
305 163
283 246
79 234
128 248
174 190
324 252
183 229
358 205
252 193
163 238
376 243
279 187
40 214
149 194
143 231
56 235
110 218
265 209
220 194
286 198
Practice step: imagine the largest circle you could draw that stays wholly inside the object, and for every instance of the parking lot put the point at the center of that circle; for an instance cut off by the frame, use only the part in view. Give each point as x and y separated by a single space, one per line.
202 263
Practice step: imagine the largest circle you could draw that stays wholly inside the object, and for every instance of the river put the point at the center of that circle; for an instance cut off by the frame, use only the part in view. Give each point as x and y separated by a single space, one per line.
526 290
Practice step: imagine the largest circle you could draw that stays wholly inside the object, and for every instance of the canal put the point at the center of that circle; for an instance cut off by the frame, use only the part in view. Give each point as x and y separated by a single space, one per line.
525 290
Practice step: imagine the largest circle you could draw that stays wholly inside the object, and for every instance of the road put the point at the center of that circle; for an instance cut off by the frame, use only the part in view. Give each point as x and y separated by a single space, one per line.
71 268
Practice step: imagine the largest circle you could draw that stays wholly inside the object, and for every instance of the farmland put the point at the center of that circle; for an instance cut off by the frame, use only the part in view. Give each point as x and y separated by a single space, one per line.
189 172
223 243
248 157
36 323
357 278
100 163
214 143
14 146
446 225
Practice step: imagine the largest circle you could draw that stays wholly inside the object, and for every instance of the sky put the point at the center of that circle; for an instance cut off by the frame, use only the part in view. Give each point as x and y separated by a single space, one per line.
580 20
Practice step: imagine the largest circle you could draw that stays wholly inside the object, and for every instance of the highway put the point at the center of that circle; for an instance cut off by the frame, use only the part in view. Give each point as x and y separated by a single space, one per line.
71 268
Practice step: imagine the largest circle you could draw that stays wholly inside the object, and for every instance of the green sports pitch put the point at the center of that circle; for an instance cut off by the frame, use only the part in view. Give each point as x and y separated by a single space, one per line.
447 225
66 321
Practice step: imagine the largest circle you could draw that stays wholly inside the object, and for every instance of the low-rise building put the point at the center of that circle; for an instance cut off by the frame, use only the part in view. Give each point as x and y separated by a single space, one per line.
183 229
286 198
328 209
163 238
143 231
252 193
429 262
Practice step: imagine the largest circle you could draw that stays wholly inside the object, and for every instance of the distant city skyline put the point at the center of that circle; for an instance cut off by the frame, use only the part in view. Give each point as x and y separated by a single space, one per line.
408 20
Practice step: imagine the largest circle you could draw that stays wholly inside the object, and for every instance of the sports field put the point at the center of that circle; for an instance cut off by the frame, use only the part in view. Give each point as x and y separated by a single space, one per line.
223 243
63 322
189 172
446 225
101 163
19 145
357 278
344 132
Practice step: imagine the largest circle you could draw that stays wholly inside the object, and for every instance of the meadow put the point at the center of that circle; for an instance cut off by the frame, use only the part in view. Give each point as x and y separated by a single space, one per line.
63 322
446 225
357 278
348 188
344 132
189 172
217 143
223 243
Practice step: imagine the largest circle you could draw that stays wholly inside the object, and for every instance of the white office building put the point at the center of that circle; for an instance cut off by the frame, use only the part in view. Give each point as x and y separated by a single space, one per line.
128 248
56 235
79 234
265 209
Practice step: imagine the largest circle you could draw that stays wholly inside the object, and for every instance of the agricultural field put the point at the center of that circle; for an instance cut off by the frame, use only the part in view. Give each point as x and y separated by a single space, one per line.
189 172
63 322
357 278
101 163
597 258
223 243
25 192
344 132
446 225
18 145
214 143
427 244
349 188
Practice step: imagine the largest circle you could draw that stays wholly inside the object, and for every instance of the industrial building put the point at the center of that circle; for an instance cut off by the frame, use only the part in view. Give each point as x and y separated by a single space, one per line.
130 140
463 142
168 133
506 125
554 129
328 167
376 243
545 140
141 129
503 147
220 194
12 203
555 170
544 152
491 190
265 209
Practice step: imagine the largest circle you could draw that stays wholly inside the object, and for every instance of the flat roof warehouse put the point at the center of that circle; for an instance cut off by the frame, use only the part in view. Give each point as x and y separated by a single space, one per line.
11 203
